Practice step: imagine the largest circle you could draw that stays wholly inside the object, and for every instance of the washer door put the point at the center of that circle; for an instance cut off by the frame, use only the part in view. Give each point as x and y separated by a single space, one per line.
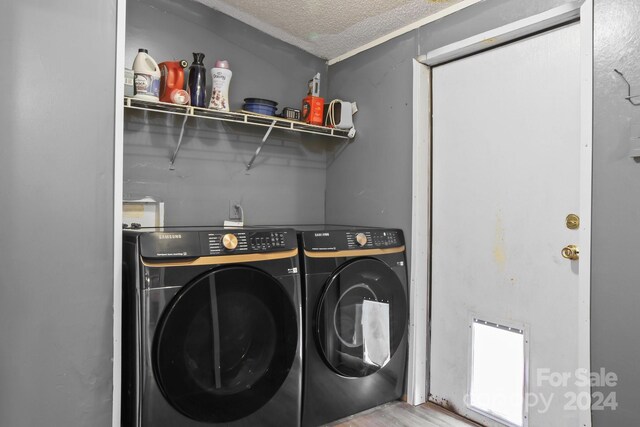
225 344
361 317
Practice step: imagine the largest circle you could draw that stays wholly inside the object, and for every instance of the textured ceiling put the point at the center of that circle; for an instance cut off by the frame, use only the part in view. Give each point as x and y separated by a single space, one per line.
328 28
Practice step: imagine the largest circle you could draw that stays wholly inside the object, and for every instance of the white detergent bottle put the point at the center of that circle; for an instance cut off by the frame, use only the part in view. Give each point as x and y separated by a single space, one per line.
146 77
221 77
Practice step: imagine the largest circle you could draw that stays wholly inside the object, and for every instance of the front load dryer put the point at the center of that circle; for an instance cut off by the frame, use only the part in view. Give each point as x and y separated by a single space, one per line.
211 328
355 315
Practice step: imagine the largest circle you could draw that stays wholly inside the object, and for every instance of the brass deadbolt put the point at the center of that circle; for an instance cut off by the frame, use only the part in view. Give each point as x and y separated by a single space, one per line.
573 222
571 252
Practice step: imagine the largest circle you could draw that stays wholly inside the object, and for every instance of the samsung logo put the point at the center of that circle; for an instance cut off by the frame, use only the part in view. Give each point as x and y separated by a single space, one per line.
170 236
321 234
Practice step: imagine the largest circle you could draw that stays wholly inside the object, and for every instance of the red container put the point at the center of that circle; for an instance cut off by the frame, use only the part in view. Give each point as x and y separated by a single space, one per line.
171 78
313 110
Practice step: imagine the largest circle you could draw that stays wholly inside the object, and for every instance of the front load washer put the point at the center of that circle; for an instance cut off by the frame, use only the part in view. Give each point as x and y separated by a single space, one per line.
211 328
355 316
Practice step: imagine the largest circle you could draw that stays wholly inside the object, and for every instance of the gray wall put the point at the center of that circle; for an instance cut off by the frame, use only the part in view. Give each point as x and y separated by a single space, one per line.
286 184
370 182
56 204
615 290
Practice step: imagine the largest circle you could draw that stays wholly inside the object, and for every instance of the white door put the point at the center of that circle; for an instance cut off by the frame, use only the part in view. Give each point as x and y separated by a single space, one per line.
505 312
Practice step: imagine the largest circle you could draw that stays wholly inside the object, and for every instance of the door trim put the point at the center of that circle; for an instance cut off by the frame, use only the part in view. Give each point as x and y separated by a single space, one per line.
118 162
586 177
419 289
419 339
508 33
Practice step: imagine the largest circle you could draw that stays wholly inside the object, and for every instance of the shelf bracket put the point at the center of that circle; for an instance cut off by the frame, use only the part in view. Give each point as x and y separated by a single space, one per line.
175 153
629 98
264 140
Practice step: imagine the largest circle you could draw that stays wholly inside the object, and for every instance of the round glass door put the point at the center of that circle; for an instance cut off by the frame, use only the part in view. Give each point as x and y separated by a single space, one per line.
361 317
225 344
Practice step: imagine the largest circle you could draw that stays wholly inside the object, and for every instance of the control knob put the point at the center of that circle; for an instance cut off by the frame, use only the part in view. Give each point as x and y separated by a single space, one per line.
361 239
229 241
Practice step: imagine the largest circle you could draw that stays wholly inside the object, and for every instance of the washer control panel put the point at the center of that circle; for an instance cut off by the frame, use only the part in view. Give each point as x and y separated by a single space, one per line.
222 243
267 240
340 240
215 242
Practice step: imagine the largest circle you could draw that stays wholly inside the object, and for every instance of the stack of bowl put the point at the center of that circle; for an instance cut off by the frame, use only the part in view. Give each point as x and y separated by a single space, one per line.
260 106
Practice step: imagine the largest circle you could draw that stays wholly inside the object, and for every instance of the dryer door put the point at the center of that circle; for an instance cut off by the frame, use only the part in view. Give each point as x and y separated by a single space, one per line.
225 344
361 317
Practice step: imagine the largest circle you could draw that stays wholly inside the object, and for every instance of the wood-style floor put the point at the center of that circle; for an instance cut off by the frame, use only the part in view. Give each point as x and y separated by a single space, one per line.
401 414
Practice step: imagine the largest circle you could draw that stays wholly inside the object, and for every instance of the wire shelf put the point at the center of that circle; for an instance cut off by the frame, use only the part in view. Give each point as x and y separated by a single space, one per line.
235 117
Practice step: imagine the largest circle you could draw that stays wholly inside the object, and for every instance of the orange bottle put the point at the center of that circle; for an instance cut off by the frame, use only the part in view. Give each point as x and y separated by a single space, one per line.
171 78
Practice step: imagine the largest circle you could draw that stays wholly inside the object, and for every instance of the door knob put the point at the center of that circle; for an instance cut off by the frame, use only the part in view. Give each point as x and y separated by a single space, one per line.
571 252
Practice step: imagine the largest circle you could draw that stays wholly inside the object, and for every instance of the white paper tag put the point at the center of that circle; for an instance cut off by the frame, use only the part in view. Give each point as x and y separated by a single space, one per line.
375 333
233 224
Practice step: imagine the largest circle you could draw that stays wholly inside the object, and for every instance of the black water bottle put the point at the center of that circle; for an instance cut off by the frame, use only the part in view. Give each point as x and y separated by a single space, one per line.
197 81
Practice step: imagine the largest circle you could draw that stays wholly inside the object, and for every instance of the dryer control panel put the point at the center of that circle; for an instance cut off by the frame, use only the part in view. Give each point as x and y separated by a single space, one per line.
341 240
191 243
